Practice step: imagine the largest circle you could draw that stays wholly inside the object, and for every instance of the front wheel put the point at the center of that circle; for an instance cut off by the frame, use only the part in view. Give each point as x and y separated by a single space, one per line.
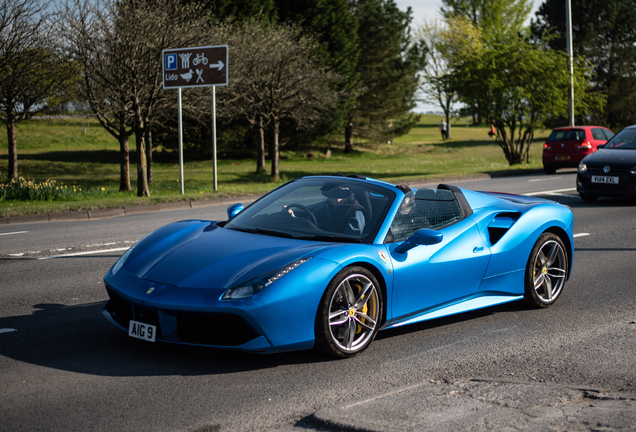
546 271
349 313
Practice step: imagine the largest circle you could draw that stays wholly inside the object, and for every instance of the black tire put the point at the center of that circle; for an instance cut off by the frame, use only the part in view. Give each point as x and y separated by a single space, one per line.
349 314
546 271
549 169
587 197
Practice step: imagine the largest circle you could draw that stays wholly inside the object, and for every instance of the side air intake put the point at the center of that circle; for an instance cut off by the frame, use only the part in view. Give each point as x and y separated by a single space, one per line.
500 226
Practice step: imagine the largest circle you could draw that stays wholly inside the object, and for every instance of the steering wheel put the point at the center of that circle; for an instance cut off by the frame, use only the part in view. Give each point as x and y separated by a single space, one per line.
310 216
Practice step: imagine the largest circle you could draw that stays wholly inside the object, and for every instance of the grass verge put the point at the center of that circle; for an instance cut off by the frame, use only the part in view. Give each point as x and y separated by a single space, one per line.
77 153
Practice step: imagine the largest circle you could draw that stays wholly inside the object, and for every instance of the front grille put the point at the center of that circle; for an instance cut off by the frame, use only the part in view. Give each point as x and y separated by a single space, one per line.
147 315
613 171
214 329
221 329
608 187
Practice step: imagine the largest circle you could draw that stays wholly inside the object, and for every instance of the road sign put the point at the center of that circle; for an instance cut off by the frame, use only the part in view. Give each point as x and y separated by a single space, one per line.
195 67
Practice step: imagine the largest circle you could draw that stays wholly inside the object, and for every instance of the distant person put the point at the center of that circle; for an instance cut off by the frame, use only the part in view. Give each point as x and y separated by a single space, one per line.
492 131
442 129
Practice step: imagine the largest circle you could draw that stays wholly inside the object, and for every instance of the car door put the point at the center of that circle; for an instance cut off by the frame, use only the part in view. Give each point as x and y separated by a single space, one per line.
429 276
599 138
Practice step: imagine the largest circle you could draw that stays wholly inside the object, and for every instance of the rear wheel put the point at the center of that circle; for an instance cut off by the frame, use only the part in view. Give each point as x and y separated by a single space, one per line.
349 314
546 271
549 169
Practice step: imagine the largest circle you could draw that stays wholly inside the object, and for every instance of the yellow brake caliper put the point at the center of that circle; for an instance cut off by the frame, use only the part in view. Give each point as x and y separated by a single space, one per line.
364 310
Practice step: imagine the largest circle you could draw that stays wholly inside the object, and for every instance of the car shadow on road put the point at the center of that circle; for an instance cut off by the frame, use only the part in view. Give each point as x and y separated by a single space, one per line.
515 307
79 339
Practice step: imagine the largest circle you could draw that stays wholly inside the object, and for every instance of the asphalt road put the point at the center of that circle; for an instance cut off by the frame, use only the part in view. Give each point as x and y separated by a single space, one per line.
64 367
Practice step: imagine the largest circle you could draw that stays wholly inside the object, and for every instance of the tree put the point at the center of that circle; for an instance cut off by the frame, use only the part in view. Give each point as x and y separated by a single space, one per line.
278 80
92 39
133 34
236 11
32 67
386 70
335 28
497 19
434 86
604 33
518 85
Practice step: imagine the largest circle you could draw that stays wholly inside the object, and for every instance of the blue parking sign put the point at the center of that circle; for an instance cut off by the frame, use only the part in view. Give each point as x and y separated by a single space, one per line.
170 62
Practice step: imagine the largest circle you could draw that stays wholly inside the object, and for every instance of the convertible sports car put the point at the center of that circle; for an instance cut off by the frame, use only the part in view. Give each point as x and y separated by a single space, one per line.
328 261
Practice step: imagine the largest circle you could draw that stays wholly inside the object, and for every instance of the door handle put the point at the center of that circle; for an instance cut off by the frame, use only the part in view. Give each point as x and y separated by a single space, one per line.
477 249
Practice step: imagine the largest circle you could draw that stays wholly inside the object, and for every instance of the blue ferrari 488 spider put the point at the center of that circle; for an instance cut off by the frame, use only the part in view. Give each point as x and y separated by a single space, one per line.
328 261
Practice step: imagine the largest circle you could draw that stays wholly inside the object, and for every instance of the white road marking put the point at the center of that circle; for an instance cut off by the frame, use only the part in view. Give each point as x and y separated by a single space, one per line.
7 330
101 244
16 232
85 253
551 192
543 179
581 235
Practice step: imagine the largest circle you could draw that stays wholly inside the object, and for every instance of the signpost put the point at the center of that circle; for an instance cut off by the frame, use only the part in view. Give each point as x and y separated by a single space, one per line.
195 67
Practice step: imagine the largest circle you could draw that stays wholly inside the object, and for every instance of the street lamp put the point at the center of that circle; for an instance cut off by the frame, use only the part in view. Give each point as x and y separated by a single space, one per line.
568 26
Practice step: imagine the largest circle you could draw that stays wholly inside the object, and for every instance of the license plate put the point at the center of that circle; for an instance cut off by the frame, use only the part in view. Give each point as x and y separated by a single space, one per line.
142 331
567 157
604 179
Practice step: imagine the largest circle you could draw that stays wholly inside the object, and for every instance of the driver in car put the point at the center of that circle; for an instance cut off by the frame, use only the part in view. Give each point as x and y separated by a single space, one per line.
340 212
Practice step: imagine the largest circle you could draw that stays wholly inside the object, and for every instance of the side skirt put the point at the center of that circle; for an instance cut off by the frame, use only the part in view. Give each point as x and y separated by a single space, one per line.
483 300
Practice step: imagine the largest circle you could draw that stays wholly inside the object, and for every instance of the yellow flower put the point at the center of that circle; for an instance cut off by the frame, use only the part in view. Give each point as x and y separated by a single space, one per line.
103 189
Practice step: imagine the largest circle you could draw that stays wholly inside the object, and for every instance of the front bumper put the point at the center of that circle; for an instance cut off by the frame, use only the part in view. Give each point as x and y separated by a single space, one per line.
279 318
626 187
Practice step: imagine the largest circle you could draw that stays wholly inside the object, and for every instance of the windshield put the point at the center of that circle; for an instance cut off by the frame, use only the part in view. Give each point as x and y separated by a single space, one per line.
625 139
323 209
567 135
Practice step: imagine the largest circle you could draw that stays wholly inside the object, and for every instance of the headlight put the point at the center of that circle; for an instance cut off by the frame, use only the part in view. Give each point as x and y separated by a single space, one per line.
251 287
582 167
122 259
632 170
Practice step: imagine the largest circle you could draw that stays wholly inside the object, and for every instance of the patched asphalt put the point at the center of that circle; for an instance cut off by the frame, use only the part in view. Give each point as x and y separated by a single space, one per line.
481 404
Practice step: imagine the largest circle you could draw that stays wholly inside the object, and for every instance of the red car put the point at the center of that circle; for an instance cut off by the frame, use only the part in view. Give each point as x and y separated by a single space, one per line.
567 146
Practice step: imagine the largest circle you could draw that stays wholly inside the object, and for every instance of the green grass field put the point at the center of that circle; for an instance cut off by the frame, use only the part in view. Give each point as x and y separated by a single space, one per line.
79 154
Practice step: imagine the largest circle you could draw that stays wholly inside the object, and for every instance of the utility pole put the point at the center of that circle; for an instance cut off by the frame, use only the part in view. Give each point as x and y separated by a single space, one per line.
568 26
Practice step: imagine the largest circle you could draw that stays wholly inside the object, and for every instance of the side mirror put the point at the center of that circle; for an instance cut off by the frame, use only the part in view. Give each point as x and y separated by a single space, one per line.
423 236
234 209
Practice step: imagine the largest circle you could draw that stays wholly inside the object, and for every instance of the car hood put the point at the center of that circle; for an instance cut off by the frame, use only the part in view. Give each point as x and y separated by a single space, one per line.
200 254
614 157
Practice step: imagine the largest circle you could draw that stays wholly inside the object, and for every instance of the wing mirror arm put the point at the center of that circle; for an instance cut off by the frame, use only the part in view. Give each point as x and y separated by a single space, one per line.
423 236
234 209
